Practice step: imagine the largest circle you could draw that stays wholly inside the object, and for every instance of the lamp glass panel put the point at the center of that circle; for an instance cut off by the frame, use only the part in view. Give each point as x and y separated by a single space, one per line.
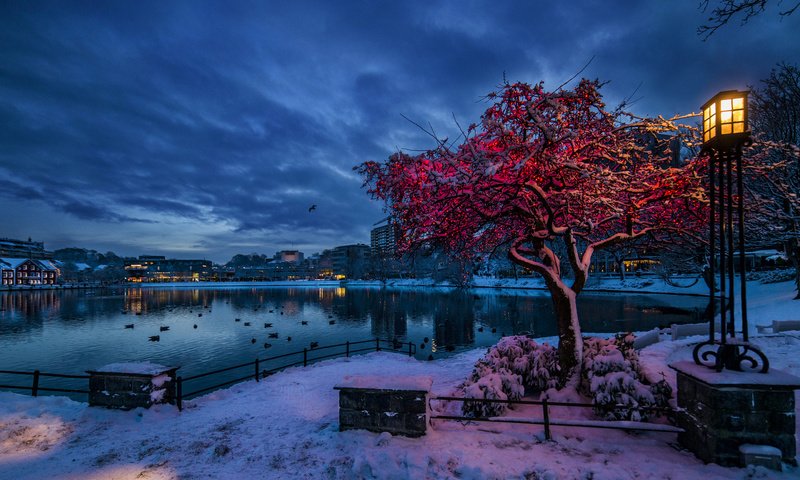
738 127
738 115
726 116
725 128
738 103
725 104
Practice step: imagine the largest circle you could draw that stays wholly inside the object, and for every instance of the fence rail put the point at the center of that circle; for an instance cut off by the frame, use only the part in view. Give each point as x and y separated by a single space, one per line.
547 422
36 375
261 368
309 355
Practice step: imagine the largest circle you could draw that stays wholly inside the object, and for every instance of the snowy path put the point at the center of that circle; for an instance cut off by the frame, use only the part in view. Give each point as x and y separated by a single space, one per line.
286 427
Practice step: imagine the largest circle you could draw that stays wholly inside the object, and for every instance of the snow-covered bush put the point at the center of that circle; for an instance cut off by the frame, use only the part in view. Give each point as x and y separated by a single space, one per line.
618 396
492 385
514 365
613 381
772 276
611 377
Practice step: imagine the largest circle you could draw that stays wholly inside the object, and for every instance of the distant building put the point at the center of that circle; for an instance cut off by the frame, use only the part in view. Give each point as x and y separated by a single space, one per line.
383 250
27 271
156 268
350 261
322 265
10 248
383 239
289 256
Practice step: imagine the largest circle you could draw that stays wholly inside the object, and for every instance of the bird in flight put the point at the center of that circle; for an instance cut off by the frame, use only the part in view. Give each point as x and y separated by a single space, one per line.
312 208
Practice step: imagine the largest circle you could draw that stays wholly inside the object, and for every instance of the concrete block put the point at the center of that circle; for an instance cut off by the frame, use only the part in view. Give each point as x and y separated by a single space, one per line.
760 455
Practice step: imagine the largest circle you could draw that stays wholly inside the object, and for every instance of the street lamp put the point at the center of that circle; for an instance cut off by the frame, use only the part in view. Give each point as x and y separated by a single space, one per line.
725 133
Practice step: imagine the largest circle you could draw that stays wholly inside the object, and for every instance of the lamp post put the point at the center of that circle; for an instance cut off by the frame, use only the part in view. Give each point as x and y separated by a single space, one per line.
725 133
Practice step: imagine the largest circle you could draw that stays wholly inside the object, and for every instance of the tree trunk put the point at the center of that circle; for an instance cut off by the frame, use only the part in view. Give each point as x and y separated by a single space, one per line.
797 280
570 342
792 248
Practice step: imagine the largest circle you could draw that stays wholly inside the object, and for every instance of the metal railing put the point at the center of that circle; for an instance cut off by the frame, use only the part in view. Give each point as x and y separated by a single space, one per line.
35 386
548 422
260 367
309 355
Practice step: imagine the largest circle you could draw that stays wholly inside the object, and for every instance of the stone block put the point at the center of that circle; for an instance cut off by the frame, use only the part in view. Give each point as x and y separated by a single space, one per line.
385 409
733 422
731 399
781 423
127 390
357 419
760 455
721 413
416 423
778 401
392 422
415 403
757 422
351 400
376 401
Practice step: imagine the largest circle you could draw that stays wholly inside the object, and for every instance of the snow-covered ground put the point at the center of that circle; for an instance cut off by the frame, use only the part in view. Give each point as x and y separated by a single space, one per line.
287 427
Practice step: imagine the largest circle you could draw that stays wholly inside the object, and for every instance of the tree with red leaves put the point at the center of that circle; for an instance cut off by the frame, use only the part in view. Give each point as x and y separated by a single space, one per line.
544 167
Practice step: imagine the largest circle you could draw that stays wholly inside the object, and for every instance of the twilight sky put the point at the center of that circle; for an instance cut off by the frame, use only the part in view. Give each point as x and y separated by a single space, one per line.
203 129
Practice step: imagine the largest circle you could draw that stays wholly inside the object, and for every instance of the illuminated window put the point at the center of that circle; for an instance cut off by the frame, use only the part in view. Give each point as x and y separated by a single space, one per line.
709 122
731 116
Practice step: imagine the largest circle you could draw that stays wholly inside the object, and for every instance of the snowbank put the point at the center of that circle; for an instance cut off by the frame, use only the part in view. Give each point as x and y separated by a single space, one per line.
286 426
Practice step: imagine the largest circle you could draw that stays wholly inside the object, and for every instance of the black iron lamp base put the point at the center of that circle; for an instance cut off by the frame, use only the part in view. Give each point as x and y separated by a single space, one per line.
740 356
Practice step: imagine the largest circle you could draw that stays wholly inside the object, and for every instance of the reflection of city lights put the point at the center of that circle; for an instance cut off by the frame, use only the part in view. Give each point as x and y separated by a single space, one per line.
433 345
134 300
340 292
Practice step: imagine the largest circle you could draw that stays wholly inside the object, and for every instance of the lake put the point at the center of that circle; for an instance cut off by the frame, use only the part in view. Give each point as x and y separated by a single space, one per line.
71 331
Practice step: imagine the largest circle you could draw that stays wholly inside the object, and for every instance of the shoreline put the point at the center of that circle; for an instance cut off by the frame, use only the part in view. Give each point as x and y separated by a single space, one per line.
637 285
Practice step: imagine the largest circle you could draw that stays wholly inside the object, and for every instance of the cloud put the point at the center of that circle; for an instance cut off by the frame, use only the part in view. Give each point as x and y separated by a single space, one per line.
209 127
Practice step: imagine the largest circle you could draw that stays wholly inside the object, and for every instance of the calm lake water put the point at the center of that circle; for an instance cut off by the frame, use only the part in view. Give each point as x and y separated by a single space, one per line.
74 331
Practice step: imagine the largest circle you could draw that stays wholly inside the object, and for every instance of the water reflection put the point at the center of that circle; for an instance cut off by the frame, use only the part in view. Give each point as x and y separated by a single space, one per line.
71 331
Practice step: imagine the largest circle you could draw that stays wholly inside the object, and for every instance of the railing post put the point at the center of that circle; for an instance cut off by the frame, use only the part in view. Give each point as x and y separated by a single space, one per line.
347 351
546 415
35 389
377 344
256 369
179 393
409 349
305 357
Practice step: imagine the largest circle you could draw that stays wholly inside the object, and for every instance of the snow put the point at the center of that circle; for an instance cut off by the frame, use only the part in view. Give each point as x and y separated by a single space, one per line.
759 450
157 396
734 379
286 426
382 382
138 368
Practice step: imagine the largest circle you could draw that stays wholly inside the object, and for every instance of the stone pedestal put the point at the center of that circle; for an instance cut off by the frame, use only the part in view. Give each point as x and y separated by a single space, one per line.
131 385
721 411
377 404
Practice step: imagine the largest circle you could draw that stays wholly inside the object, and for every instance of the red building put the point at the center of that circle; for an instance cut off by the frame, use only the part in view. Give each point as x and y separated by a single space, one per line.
27 271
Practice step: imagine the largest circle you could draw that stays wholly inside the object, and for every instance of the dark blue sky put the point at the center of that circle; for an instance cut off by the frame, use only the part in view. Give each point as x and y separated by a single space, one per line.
203 129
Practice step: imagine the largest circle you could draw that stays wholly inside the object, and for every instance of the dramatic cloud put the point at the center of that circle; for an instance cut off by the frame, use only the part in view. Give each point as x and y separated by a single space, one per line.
203 129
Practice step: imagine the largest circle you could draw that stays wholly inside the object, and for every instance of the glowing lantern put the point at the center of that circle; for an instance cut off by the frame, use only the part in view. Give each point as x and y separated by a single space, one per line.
725 119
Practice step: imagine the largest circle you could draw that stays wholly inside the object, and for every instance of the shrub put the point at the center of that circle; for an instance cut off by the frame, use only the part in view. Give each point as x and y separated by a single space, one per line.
613 381
611 377
500 385
511 367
